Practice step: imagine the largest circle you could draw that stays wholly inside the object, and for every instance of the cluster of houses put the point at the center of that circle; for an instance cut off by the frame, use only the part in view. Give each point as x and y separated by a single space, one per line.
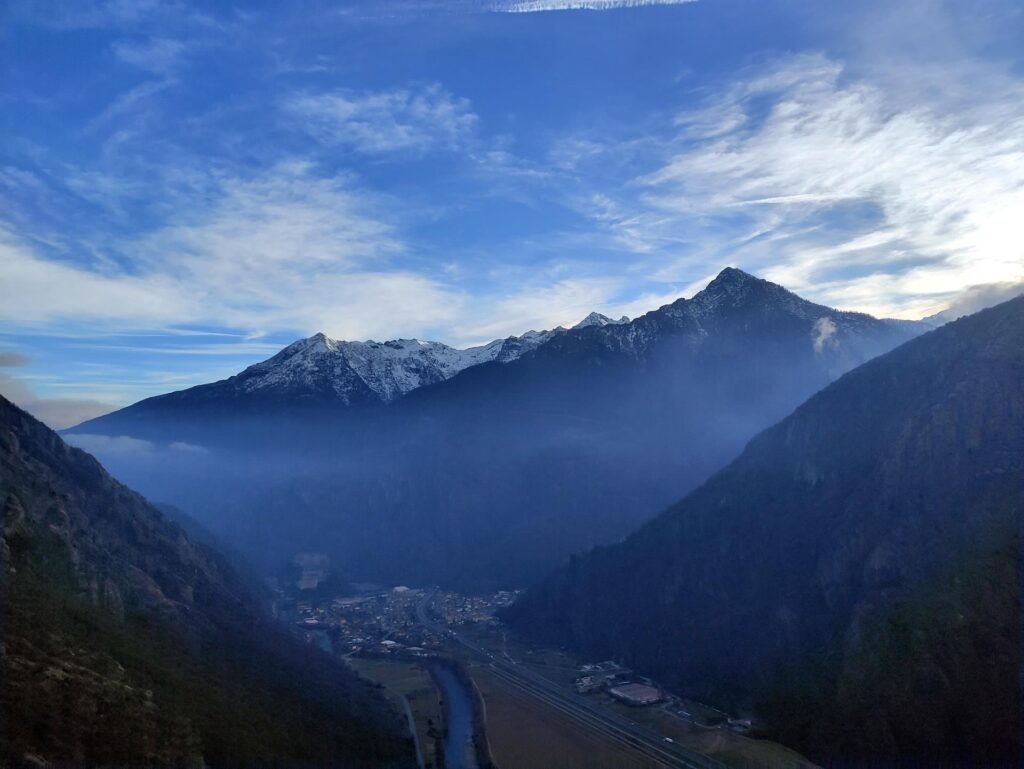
457 609
384 621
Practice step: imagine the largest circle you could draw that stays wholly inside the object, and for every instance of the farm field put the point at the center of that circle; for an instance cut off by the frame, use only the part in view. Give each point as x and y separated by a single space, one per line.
403 680
727 746
527 734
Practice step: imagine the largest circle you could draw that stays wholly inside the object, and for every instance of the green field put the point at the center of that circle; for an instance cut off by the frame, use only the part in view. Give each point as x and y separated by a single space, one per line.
414 684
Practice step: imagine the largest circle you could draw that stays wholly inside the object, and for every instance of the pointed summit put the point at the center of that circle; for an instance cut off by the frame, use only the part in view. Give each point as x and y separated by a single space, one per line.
597 319
733 289
731 285
320 339
733 276
319 342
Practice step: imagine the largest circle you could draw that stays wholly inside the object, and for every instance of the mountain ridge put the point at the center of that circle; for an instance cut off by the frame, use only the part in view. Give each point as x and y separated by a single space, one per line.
322 370
811 578
609 423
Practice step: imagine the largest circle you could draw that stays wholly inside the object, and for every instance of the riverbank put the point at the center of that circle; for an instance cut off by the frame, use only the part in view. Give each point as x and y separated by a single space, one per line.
453 677
444 705
413 691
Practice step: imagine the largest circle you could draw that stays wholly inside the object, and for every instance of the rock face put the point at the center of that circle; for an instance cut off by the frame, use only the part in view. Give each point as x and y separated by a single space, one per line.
125 643
492 476
853 576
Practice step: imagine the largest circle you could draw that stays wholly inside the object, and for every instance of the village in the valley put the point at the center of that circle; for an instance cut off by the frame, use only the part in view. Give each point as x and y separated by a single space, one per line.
398 636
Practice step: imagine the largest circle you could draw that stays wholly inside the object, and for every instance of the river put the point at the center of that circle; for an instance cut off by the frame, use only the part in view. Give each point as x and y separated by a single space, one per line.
458 710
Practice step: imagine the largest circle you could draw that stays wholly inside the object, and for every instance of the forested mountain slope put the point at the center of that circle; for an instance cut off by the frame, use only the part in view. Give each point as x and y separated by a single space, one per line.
125 643
853 576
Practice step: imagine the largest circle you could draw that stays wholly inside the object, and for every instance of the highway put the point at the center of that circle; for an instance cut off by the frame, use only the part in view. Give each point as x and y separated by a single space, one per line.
639 738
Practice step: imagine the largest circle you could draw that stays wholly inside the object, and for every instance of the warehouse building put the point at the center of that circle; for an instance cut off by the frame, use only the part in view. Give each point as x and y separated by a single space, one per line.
636 694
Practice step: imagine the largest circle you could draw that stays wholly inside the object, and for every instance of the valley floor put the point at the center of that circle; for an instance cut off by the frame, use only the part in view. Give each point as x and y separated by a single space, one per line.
411 689
527 734
694 732
532 713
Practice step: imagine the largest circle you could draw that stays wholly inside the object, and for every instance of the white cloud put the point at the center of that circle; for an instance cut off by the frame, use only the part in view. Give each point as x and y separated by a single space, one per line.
406 119
851 193
975 298
285 217
292 251
537 306
71 14
537 6
287 250
189 448
134 100
110 445
157 55
36 289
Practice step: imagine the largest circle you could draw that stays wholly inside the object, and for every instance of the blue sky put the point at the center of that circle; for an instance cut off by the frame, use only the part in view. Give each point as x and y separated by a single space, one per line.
185 188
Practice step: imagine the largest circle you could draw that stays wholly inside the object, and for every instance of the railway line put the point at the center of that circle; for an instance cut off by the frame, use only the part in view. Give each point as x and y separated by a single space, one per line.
643 740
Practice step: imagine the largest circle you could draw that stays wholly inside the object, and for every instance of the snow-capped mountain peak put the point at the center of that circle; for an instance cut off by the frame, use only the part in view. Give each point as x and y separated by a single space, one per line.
323 371
376 372
597 319
383 371
372 371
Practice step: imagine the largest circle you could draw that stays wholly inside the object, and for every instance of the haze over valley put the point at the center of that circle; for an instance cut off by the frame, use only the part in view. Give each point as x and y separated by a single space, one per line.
610 423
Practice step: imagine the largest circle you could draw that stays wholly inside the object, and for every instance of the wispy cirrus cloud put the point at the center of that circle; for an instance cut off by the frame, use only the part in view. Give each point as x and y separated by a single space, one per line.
912 188
416 119
68 14
159 55
834 185
286 249
37 289
539 6
154 16
545 303
128 109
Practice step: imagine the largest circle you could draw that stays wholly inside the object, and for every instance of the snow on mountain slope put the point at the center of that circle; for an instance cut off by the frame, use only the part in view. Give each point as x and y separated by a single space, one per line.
355 371
742 302
359 371
597 319
734 307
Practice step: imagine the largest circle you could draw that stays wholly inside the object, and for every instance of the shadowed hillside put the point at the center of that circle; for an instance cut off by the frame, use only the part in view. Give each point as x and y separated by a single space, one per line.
124 643
853 576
